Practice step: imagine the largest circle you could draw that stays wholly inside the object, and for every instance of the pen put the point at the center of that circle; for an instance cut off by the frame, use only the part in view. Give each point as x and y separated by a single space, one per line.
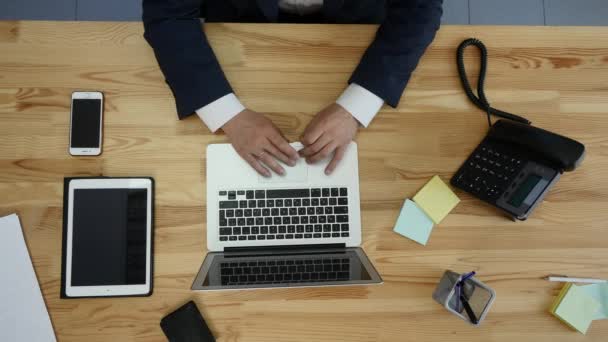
467 276
459 287
574 280
468 309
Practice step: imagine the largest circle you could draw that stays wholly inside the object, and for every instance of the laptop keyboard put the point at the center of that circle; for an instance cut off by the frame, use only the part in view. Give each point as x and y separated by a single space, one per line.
285 271
283 214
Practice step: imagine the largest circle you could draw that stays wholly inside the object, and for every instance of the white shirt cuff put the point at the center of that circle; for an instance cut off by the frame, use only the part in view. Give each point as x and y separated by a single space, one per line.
220 111
361 103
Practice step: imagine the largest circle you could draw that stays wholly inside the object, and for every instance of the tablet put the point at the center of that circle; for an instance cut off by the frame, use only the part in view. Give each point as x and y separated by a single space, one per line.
108 240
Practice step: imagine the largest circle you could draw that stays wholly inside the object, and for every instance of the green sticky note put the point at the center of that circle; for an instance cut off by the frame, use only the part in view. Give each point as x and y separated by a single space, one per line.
577 309
436 199
599 292
413 223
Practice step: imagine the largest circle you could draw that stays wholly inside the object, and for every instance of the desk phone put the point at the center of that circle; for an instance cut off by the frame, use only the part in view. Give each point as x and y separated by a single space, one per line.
515 166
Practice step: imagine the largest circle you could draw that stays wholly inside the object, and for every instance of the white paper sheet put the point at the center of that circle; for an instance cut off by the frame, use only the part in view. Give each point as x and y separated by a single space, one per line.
23 315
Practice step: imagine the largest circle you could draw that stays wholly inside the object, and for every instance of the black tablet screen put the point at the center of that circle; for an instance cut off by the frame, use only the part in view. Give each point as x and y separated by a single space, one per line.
109 237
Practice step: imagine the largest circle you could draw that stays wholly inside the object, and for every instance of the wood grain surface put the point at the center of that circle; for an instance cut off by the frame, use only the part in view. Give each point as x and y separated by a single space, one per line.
556 77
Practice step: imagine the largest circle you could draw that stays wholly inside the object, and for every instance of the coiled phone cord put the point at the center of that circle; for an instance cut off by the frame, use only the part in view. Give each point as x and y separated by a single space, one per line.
481 101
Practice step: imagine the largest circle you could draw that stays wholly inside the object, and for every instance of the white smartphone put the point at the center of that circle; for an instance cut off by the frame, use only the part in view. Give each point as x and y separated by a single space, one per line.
86 123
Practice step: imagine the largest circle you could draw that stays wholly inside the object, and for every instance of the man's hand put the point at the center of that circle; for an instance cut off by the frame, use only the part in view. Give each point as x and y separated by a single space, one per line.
257 140
332 129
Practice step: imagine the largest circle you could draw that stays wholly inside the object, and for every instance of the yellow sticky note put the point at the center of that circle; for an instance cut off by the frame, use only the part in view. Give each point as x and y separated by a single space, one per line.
559 297
576 308
436 199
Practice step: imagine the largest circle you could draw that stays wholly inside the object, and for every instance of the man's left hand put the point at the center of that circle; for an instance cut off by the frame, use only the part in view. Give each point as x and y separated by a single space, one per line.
331 130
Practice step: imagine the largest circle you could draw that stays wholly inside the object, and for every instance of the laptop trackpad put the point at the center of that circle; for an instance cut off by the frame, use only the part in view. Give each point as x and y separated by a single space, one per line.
293 174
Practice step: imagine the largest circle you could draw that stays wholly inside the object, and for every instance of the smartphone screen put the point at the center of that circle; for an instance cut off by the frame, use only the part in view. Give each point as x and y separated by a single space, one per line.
86 121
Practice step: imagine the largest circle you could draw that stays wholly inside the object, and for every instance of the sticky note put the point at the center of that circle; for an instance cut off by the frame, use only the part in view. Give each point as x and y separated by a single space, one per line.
436 199
413 223
559 297
576 308
599 292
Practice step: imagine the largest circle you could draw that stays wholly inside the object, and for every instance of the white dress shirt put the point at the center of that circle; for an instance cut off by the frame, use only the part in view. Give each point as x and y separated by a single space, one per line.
301 7
360 102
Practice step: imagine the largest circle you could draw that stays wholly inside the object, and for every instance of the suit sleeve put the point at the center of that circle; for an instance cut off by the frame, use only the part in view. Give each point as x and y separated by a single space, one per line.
408 29
174 30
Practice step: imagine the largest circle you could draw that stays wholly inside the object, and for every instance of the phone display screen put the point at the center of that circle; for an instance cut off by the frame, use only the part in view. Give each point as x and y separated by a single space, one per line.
528 191
86 121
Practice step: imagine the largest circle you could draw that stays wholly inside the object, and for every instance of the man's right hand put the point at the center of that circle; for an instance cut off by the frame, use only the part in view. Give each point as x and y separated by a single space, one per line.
257 140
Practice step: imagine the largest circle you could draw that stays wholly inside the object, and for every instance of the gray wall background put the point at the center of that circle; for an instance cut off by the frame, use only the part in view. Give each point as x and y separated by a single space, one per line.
477 12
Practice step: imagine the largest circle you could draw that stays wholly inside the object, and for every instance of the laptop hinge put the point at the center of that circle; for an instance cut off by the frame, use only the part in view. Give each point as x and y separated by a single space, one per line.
284 248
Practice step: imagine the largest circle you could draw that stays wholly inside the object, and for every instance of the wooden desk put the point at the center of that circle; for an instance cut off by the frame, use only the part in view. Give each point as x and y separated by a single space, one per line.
554 76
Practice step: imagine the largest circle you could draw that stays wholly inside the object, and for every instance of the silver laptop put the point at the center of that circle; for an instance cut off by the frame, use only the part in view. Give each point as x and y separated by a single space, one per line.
300 229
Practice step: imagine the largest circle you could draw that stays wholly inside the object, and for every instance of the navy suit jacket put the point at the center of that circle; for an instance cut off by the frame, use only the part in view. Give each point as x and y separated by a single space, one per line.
173 29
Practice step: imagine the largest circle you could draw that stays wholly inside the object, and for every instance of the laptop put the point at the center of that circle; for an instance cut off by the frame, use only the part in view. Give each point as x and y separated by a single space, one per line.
300 229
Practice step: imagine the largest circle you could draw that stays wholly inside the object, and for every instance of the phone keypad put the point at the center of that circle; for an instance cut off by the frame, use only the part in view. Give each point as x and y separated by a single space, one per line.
488 171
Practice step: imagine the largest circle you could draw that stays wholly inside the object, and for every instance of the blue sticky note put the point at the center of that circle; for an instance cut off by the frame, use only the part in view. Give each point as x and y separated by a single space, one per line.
413 223
599 292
